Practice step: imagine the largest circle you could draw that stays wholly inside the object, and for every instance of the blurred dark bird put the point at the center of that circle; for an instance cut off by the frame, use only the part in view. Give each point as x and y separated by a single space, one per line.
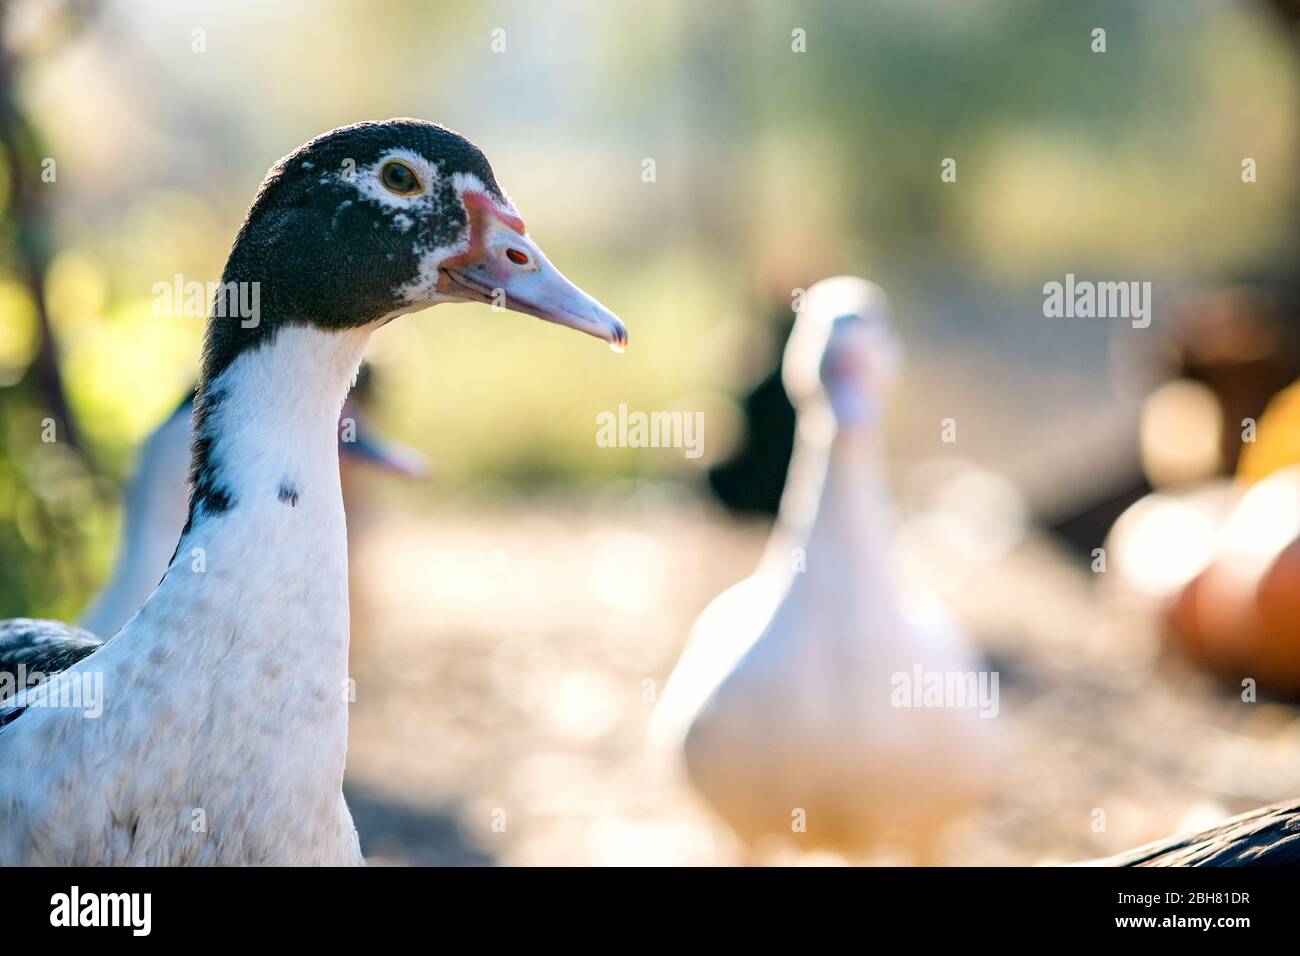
1214 365
223 735
751 480
1266 837
1237 347
800 690
156 502
1216 547
1288 10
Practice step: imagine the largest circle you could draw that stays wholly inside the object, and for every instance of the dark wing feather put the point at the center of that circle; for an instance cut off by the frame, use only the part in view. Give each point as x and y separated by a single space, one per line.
32 650
1266 837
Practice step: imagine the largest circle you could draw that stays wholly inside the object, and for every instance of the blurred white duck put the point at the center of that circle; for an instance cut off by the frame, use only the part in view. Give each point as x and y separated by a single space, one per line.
156 503
792 692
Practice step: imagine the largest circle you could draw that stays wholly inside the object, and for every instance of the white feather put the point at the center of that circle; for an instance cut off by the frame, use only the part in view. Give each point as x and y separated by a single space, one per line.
224 729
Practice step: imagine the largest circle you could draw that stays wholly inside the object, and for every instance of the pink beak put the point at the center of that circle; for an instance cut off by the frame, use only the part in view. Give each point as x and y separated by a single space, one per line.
506 269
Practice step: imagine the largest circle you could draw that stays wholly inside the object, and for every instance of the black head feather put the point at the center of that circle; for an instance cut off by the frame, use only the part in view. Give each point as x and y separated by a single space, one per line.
323 248
323 253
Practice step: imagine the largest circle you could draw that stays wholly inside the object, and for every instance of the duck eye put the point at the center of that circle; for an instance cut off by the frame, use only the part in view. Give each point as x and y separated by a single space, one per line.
517 257
399 178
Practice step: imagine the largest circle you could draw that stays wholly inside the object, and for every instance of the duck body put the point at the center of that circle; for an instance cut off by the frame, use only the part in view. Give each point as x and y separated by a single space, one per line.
219 729
31 649
241 653
791 705
794 727
1269 836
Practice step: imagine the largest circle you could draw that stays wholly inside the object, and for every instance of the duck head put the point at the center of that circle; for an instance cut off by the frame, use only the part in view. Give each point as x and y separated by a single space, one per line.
370 221
843 353
357 226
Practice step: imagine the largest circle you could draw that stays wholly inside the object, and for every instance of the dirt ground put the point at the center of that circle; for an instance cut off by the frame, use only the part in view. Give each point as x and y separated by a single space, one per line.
506 658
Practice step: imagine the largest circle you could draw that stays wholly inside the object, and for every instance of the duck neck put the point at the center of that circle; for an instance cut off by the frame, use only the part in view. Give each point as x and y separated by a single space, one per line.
254 607
266 424
855 493
837 505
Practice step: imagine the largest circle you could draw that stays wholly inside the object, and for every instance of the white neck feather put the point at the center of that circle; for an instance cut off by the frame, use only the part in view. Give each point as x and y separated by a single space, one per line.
836 505
274 565
239 659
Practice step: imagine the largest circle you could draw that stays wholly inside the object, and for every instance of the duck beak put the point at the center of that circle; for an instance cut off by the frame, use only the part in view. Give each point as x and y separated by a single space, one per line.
363 443
504 268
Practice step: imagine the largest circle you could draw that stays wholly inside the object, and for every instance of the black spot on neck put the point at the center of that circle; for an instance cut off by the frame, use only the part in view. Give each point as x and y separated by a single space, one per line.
288 494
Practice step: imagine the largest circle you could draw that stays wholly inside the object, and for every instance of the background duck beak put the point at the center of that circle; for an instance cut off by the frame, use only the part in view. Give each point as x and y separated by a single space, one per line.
366 445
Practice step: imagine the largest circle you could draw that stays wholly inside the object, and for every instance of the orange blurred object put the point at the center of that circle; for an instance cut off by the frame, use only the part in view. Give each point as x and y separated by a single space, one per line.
1240 616
1278 441
1278 603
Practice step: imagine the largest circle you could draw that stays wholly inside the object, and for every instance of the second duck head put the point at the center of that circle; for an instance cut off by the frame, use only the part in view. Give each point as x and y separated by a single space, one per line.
842 356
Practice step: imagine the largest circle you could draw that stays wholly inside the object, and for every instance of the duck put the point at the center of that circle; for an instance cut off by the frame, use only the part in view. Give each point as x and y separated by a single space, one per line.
212 728
156 503
1269 836
792 709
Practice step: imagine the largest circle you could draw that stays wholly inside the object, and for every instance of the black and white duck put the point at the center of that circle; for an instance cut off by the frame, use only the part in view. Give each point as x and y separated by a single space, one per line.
1269 836
222 730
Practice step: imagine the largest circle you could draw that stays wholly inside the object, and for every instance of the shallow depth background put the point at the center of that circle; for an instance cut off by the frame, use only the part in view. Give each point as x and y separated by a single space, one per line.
511 611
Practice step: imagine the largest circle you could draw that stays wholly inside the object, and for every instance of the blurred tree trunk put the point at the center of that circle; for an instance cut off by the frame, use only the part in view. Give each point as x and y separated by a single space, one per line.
32 249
